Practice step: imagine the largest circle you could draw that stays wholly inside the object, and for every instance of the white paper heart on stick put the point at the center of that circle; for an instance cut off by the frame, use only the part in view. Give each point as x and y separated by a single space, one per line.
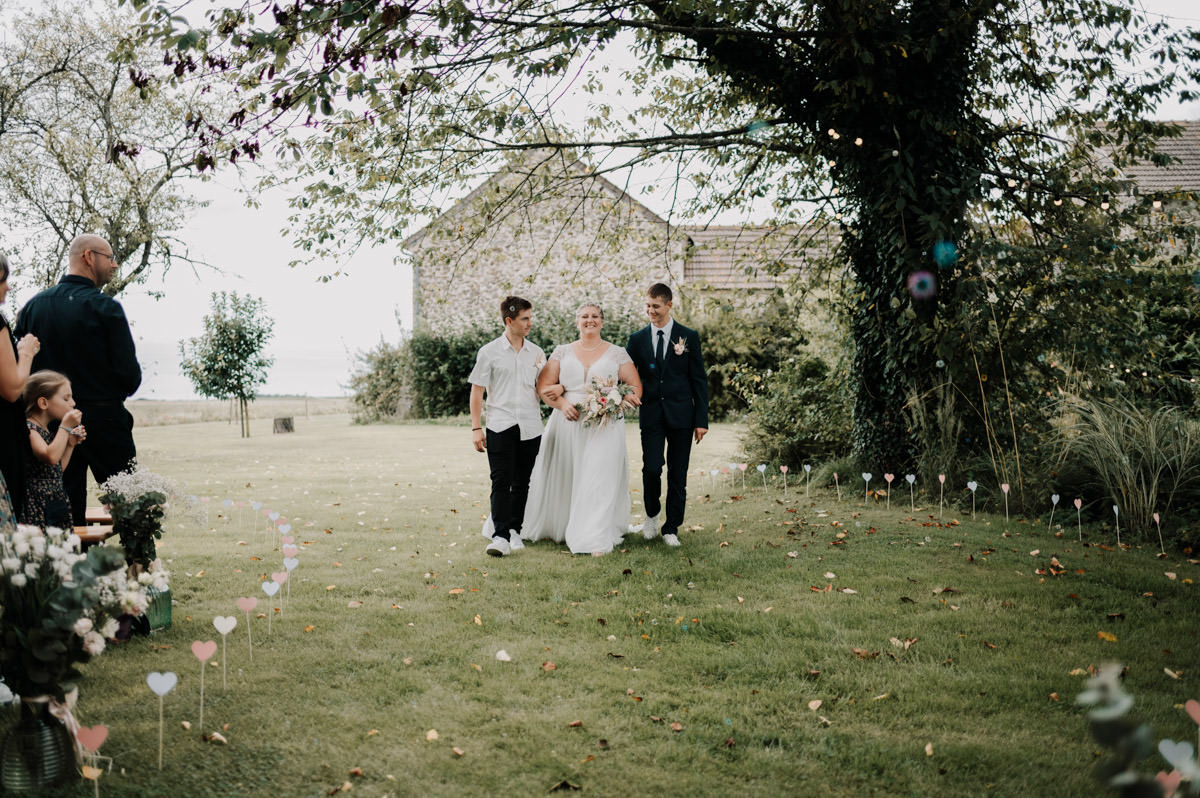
290 563
270 588
972 485
285 528
866 476
273 515
1054 498
1177 753
762 467
224 623
162 683
910 478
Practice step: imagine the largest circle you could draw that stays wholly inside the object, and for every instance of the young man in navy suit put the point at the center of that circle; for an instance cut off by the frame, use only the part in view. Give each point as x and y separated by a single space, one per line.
674 410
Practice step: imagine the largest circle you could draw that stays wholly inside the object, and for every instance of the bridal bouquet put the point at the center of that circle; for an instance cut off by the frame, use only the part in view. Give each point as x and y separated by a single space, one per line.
604 401
57 606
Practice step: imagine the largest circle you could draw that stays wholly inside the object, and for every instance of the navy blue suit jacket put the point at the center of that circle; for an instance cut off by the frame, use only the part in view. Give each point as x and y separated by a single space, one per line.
675 395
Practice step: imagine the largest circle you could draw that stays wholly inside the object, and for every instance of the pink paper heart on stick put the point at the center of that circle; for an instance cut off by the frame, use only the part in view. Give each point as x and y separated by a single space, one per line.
279 576
889 478
287 540
92 738
784 469
1078 503
247 604
290 551
1169 781
205 650
1004 487
1192 708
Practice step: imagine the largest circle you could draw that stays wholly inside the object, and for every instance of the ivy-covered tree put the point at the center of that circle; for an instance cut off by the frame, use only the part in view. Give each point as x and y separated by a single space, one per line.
954 142
228 361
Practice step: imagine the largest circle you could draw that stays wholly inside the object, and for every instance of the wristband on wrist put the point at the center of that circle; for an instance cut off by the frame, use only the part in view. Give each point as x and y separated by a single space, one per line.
476 429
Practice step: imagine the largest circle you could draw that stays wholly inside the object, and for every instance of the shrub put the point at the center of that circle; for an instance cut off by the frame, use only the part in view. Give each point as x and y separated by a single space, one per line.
1144 460
798 414
379 385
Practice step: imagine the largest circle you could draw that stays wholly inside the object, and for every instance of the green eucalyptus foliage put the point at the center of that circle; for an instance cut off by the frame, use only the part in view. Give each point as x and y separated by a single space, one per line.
137 520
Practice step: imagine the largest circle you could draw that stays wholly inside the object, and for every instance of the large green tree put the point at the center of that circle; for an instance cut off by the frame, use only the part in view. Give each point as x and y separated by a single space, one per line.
948 139
92 140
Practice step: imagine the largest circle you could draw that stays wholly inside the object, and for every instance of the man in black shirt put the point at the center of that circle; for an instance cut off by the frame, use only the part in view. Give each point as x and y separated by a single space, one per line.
84 334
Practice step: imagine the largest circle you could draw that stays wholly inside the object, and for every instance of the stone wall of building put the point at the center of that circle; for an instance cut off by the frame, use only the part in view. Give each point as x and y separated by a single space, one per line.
556 240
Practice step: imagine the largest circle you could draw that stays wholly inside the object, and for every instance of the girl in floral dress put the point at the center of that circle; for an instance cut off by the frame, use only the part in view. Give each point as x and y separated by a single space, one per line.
48 399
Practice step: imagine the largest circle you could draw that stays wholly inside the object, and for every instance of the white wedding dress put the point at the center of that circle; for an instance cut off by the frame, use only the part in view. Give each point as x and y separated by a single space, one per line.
579 491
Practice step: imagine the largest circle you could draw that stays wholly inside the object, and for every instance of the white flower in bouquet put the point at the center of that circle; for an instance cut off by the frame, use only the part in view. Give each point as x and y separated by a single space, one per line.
11 564
18 580
110 627
83 626
93 643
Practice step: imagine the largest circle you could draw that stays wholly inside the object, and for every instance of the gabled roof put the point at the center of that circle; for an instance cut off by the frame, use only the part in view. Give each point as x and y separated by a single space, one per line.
581 171
1183 173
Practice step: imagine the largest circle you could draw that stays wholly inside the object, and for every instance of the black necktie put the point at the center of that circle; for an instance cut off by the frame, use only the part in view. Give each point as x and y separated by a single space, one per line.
658 351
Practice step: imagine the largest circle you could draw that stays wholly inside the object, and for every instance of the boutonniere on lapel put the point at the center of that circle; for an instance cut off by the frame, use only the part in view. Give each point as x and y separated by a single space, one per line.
680 346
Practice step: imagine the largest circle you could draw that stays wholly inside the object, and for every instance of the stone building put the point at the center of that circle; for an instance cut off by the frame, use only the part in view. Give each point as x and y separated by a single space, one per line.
566 235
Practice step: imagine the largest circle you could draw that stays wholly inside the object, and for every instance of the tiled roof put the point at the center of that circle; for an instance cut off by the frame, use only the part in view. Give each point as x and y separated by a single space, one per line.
752 256
1184 170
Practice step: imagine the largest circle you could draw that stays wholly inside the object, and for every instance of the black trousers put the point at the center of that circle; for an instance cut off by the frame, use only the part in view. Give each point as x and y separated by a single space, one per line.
678 445
108 450
511 462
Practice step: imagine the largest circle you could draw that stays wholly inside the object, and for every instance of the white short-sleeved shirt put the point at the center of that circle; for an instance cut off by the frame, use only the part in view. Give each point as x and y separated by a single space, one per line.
510 379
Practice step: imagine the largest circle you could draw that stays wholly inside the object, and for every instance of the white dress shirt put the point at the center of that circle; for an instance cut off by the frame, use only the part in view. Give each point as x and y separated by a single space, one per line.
510 379
667 329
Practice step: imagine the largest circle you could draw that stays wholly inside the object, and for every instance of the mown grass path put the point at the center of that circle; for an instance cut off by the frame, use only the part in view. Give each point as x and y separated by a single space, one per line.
943 662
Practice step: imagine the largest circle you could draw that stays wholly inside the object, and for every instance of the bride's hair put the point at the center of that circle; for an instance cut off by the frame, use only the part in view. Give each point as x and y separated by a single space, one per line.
579 309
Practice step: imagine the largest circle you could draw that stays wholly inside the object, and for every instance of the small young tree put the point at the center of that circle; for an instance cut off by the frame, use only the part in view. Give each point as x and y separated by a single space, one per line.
228 360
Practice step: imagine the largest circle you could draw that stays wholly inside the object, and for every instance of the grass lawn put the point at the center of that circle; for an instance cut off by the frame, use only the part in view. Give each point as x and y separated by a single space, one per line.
944 663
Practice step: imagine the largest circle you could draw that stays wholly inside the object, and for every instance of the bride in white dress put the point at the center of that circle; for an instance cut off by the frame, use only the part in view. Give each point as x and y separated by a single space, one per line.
579 491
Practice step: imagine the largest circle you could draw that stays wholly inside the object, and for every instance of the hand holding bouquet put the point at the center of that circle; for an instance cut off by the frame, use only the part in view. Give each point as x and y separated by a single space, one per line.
605 400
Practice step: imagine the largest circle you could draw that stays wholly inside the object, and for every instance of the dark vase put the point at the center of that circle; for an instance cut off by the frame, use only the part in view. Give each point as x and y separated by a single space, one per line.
37 752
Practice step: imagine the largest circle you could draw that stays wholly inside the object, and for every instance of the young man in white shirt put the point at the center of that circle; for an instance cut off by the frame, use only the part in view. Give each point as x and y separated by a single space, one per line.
507 369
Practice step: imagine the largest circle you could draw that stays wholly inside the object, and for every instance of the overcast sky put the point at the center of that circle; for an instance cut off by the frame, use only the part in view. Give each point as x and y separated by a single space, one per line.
319 327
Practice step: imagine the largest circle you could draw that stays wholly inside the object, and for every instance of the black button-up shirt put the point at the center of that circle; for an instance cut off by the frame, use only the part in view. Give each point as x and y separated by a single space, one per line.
85 335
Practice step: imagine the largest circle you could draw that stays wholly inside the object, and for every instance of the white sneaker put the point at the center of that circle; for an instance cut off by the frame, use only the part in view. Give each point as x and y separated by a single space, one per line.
514 541
671 540
498 547
649 529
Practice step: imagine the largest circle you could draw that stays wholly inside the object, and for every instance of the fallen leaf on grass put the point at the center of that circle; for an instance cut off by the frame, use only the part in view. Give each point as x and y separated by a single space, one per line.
431 735
456 591
882 696
356 773
503 656
372 732
407 660
309 628
815 704
478 621
1171 673
575 724
928 749
1107 637
476 667
862 653
1168 574
677 726
187 725
216 737
565 785
549 666
354 605
830 575
989 645
346 787
458 751
847 590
